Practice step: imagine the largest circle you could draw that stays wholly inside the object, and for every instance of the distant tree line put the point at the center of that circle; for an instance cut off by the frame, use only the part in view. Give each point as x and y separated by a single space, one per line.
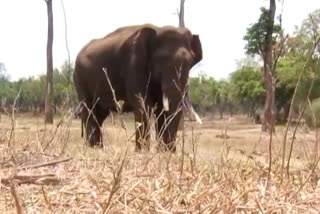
242 92
31 97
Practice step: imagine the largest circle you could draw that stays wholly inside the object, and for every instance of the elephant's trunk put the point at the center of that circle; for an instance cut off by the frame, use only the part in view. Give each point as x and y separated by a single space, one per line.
173 101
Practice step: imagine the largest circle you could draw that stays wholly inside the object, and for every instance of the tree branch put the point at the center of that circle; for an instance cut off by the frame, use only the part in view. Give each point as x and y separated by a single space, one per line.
50 163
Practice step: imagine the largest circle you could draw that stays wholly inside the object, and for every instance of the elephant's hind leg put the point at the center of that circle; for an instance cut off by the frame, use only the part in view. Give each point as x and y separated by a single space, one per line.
92 120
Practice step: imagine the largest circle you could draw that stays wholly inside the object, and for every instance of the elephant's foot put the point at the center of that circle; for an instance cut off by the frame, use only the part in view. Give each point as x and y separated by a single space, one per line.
93 134
162 147
95 144
95 141
137 149
145 144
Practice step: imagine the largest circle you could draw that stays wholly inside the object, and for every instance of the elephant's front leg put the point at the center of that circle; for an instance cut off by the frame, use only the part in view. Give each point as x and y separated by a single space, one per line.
165 131
142 124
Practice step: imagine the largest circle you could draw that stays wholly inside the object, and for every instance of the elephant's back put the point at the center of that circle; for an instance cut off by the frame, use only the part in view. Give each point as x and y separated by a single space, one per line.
101 53
98 50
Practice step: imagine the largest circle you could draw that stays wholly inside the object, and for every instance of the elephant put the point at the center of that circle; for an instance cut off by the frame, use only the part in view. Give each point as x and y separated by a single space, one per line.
145 66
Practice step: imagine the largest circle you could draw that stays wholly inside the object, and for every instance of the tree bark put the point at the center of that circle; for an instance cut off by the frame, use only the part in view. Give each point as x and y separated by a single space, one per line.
221 115
286 111
181 14
181 24
269 107
221 111
49 77
212 112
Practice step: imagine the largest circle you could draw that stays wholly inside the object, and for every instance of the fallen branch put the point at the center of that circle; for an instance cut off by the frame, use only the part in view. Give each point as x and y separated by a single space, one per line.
44 179
44 164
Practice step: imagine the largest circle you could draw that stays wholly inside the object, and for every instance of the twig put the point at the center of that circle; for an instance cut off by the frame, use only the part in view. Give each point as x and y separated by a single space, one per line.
15 196
307 179
12 133
116 183
45 197
316 129
66 37
283 40
90 113
270 152
291 104
44 164
52 137
259 205
31 179
297 125
182 149
118 108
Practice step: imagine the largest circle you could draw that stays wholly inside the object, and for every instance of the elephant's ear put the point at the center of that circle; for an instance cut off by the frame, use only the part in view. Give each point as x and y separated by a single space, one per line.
139 49
197 49
142 44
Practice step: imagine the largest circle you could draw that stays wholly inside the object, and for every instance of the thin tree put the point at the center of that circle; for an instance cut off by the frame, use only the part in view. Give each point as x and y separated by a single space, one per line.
260 40
181 14
49 77
181 24
269 107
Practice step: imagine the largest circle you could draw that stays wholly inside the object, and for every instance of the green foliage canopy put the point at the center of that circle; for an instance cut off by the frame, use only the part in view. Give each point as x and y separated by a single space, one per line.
256 34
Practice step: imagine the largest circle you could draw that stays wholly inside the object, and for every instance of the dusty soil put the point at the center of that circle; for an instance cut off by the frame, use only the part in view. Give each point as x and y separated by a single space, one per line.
239 134
224 168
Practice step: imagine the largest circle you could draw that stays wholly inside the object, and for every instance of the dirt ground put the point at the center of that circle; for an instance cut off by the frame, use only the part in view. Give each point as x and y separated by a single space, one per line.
239 134
228 155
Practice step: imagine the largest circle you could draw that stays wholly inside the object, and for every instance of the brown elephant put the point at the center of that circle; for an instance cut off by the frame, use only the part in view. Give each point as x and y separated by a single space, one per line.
145 66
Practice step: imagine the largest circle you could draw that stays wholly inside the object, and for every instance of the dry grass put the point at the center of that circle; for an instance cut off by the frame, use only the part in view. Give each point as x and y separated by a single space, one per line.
223 176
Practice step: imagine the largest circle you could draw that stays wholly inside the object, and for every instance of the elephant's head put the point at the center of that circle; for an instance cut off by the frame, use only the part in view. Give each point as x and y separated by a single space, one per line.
166 55
175 53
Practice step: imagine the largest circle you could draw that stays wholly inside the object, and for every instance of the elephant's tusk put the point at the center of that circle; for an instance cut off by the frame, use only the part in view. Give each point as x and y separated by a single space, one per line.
196 116
165 102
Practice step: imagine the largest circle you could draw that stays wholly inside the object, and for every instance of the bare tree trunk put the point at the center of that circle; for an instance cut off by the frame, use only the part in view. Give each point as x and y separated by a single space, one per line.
181 14
181 24
269 107
49 77
221 112
231 110
212 113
